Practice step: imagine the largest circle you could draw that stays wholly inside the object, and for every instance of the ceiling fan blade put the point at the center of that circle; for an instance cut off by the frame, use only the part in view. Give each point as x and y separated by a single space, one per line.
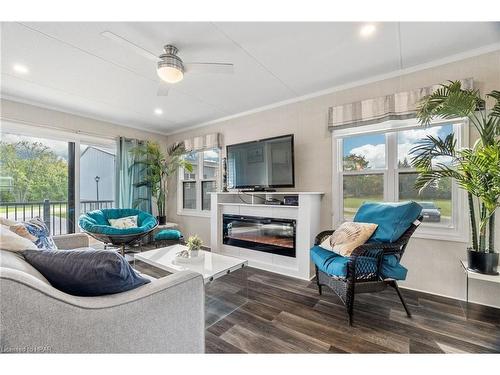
127 43
163 89
217 68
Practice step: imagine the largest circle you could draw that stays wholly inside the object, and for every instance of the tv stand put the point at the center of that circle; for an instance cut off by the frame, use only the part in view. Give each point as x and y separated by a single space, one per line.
258 189
305 213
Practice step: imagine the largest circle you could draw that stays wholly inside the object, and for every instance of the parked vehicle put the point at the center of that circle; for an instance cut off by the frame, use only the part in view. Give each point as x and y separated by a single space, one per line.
430 212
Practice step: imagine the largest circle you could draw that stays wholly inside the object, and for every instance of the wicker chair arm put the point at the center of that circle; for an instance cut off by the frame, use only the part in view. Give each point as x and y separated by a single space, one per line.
322 236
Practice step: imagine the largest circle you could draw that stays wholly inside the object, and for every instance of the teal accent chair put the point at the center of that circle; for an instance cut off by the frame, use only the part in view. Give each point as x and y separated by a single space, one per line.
96 224
374 265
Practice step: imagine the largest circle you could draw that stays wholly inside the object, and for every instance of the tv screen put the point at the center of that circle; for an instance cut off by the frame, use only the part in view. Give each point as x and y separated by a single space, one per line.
267 163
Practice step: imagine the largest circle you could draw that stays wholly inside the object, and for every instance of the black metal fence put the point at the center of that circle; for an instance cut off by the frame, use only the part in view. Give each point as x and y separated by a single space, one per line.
53 213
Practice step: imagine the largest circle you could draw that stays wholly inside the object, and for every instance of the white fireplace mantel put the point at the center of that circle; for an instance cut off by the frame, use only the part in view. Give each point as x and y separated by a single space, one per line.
306 214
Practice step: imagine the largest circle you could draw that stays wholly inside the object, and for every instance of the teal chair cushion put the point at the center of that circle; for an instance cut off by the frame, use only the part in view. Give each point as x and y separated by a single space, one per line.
336 265
168 234
393 219
97 221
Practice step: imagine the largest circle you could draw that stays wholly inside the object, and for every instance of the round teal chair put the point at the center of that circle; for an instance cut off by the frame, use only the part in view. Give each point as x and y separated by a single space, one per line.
96 224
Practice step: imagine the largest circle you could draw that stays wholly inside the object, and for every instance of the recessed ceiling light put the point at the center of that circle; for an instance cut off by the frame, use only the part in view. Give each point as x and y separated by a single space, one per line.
367 30
21 69
158 111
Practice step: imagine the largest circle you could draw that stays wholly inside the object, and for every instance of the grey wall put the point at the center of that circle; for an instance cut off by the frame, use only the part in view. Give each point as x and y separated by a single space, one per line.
433 265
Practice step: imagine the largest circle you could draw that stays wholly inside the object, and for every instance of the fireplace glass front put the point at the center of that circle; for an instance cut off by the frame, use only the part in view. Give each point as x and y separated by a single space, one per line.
270 235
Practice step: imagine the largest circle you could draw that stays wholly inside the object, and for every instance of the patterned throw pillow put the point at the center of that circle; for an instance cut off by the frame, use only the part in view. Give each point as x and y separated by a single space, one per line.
36 231
124 222
348 237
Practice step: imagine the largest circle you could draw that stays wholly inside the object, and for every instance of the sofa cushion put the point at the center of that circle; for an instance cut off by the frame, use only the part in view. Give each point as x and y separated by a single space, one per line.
11 241
168 234
336 265
393 219
17 262
85 272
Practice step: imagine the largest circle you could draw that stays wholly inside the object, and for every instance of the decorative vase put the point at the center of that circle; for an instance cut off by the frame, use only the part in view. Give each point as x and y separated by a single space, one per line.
162 220
485 263
194 252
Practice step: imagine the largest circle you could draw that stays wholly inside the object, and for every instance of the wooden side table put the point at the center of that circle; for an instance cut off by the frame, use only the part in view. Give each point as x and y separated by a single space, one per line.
470 274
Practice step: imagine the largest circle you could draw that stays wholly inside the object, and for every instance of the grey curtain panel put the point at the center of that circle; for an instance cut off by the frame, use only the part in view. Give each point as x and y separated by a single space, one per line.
398 106
128 195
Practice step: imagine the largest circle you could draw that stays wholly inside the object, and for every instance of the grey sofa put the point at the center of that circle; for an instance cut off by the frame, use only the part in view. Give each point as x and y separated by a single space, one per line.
164 316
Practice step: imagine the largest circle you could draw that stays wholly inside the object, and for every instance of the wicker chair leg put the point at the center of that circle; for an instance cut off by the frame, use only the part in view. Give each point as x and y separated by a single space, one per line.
320 291
394 284
349 302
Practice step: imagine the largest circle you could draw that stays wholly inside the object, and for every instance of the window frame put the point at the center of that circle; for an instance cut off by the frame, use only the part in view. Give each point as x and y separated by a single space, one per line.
458 228
199 180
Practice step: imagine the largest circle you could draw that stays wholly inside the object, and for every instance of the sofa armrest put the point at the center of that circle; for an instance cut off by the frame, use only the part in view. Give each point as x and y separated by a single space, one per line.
71 241
164 316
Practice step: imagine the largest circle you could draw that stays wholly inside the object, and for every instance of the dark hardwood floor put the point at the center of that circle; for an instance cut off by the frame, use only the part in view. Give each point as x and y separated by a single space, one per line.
286 315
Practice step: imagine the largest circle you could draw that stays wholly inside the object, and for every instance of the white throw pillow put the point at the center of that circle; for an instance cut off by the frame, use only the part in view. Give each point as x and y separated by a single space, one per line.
7 222
13 242
348 237
124 222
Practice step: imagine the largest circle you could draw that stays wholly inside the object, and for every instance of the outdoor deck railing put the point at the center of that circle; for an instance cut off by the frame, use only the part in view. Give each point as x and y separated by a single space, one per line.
53 213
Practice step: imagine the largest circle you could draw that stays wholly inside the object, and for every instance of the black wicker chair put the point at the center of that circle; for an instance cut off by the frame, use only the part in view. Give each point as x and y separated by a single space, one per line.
364 270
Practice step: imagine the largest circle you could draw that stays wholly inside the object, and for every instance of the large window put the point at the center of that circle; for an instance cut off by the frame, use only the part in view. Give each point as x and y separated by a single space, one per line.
195 186
374 164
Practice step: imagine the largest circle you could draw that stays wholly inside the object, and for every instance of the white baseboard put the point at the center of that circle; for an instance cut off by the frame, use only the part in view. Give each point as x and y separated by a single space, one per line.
446 296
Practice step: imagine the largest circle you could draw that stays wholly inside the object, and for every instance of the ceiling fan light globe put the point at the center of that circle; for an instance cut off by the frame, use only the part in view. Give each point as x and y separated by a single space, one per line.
170 74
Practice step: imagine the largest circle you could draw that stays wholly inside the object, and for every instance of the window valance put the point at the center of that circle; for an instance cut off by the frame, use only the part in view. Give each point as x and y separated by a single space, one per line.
398 106
203 142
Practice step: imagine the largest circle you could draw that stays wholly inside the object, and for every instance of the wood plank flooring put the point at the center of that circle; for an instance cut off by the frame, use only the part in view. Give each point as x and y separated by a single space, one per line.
286 315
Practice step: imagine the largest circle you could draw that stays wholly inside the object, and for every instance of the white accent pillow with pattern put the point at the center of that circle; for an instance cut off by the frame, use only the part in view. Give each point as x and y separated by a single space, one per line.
348 237
124 222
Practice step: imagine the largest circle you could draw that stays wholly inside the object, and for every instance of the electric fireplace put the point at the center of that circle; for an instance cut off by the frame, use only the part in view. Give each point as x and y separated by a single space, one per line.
270 235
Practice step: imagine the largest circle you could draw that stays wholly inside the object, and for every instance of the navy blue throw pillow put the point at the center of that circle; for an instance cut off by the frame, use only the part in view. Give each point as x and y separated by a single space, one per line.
85 272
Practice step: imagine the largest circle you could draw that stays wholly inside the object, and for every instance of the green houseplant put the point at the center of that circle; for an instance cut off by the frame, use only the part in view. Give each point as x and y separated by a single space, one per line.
156 166
475 169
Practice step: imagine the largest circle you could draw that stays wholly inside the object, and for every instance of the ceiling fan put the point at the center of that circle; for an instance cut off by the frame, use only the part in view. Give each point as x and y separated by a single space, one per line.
170 67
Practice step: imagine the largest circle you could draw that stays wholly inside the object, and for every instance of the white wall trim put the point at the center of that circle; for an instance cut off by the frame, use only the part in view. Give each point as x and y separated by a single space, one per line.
432 64
447 296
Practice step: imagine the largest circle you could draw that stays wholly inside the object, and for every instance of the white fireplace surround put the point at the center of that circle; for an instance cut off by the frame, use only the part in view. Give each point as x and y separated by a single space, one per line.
307 215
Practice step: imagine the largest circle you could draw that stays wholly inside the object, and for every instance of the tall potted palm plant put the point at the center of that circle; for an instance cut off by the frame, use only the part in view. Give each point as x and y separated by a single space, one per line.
476 169
156 166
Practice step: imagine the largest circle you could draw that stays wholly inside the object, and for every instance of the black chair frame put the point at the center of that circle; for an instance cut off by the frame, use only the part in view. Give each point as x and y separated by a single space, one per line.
120 240
364 270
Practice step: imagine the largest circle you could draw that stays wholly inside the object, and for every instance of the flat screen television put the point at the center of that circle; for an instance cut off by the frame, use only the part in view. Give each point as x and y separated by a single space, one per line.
263 164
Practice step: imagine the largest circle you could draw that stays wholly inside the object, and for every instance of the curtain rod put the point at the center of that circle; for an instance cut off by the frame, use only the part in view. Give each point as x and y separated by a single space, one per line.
66 130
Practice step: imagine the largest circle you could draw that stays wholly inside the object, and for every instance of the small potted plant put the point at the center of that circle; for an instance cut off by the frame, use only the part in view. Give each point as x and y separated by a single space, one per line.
194 244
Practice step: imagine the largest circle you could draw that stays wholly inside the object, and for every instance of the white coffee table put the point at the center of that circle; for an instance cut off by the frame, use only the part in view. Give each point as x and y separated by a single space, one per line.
225 277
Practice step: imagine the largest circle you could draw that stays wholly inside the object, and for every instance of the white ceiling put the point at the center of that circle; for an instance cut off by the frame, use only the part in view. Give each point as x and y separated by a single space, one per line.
74 68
